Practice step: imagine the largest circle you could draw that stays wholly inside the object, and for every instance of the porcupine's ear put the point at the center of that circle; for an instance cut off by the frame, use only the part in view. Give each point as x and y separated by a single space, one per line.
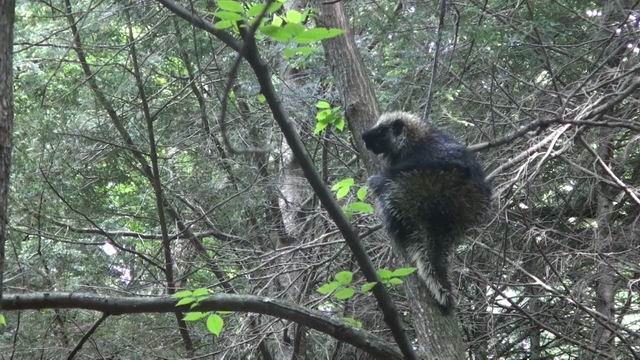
397 126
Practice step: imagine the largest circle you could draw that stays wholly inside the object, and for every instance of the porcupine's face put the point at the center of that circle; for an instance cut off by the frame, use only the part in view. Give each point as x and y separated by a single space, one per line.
385 137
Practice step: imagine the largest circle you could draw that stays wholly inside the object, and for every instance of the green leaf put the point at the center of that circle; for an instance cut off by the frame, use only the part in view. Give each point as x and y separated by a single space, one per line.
316 34
344 277
261 99
319 127
348 182
340 124
186 301
224 24
227 15
394 281
276 33
215 323
367 287
362 193
353 322
402 272
256 9
277 21
328 288
359 207
323 116
385 274
195 316
294 16
344 293
183 293
3 320
323 105
294 29
201 292
275 6
342 192
230 5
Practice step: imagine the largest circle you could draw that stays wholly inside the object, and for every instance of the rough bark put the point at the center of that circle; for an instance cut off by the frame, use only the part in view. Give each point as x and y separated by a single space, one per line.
7 17
438 336
358 97
603 336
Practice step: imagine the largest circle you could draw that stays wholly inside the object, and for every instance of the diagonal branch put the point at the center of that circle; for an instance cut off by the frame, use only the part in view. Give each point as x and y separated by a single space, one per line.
86 336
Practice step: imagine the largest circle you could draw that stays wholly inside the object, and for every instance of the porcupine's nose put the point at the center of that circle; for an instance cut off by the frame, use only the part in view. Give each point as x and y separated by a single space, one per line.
369 139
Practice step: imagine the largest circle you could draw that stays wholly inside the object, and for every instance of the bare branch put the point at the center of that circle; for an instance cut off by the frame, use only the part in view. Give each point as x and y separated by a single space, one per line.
241 303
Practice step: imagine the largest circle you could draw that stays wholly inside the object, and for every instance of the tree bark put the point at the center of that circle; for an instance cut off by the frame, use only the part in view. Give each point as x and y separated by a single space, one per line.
439 336
358 97
7 17
603 338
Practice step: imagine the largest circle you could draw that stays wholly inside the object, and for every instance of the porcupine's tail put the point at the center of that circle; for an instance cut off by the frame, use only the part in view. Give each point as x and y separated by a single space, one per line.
433 270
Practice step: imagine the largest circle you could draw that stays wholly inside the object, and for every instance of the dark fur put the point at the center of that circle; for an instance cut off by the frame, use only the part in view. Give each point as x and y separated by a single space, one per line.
430 192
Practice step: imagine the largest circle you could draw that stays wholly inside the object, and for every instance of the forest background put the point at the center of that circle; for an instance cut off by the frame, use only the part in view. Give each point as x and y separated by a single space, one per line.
209 153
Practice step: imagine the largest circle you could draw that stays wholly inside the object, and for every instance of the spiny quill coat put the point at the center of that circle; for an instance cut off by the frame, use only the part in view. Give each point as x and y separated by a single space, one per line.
430 192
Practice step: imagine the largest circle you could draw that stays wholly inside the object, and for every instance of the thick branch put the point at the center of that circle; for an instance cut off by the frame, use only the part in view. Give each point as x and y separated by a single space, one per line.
241 303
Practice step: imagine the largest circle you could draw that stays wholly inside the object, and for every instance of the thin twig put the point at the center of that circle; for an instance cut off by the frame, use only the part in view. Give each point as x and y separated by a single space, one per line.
87 336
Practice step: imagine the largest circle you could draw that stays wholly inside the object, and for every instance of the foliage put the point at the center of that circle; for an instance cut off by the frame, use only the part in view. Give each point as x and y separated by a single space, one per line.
340 288
288 27
328 116
214 321
342 188
394 277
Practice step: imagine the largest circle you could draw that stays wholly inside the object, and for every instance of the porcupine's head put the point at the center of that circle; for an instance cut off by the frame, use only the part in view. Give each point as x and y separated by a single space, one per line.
395 134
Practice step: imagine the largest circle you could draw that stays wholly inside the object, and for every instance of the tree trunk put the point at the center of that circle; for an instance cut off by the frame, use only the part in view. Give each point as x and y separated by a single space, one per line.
358 97
438 336
7 17
603 337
